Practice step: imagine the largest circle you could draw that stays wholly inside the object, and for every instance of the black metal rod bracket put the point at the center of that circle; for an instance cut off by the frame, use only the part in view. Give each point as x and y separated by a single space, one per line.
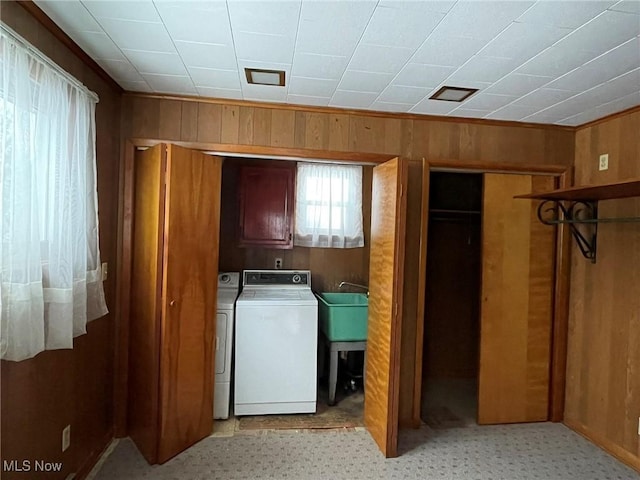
580 216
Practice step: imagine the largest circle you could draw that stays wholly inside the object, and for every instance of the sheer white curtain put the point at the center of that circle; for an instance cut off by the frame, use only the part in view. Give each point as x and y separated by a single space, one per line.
50 276
329 206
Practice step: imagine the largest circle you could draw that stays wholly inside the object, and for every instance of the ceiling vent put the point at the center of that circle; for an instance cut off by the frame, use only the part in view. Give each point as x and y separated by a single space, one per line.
453 94
258 76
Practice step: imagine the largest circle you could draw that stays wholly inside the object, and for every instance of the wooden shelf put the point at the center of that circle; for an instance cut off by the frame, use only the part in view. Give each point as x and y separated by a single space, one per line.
578 208
591 193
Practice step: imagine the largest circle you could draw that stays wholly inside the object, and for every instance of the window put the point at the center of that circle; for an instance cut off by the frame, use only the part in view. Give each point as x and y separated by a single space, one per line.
328 206
50 278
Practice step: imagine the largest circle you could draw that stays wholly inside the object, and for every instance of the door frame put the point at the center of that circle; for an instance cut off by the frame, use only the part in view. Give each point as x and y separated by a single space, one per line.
125 235
557 379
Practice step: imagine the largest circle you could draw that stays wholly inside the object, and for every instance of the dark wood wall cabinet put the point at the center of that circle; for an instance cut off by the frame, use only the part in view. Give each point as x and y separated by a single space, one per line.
266 206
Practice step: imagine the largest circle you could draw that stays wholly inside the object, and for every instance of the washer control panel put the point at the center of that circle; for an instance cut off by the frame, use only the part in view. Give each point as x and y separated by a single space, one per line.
282 278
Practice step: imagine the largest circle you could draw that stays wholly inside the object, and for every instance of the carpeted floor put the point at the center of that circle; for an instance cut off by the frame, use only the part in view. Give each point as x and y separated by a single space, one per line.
511 452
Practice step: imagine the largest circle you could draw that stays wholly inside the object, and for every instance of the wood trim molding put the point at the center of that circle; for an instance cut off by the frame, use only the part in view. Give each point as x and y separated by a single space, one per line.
85 469
560 332
349 111
258 151
68 42
608 118
605 444
493 167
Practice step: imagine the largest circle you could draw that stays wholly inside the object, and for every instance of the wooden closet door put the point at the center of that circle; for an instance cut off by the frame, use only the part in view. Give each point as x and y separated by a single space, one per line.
146 284
516 303
190 273
382 390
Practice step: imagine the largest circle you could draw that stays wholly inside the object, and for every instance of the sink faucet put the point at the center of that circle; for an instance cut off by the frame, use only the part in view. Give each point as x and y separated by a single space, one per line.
364 287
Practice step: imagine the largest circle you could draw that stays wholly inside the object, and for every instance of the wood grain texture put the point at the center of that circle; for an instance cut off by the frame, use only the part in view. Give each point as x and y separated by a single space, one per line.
603 358
37 401
146 295
189 277
516 303
382 387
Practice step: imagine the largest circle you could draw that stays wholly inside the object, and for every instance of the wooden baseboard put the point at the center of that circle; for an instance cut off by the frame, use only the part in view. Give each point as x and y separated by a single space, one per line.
607 445
85 468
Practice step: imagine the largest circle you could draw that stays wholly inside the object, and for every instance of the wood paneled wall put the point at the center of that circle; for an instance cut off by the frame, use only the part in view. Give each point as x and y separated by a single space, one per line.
603 364
42 395
210 123
329 266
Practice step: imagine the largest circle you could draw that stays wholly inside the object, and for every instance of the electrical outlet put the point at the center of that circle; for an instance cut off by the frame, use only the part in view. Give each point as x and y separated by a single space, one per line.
66 437
105 271
604 162
277 264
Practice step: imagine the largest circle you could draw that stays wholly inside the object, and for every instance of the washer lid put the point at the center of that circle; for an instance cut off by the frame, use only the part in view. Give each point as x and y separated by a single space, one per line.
226 299
276 297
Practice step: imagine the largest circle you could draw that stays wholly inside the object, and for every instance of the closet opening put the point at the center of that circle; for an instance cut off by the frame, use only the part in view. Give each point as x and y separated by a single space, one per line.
452 300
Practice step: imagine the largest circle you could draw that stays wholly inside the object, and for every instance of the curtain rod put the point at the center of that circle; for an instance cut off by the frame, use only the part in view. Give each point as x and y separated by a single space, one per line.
13 35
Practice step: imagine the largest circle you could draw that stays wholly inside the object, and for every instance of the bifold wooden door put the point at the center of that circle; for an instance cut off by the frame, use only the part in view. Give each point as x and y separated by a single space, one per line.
174 283
518 258
385 304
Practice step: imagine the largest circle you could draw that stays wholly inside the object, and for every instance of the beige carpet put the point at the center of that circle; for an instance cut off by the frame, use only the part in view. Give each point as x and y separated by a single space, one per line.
347 413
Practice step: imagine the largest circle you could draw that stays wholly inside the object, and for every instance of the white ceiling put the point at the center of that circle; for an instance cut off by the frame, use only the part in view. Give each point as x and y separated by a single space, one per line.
555 62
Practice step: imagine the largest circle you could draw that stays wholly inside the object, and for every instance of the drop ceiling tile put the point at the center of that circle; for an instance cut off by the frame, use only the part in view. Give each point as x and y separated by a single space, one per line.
432 6
307 100
555 62
629 6
522 41
219 93
156 62
140 86
402 94
447 50
364 81
480 20
542 117
74 16
99 45
313 65
434 107
345 98
391 107
512 112
121 70
265 48
612 64
487 101
518 84
143 11
212 78
264 93
543 98
340 27
170 84
274 17
151 37
401 24
206 22
570 14
207 55
376 58
312 87
613 89
482 69
418 75
628 101
603 33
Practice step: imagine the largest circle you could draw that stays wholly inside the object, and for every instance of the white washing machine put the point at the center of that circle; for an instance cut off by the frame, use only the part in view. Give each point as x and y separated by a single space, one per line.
276 343
228 286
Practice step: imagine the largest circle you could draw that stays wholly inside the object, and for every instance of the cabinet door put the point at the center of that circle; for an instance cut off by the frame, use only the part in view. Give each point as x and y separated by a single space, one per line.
266 206
190 273
382 387
516 303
